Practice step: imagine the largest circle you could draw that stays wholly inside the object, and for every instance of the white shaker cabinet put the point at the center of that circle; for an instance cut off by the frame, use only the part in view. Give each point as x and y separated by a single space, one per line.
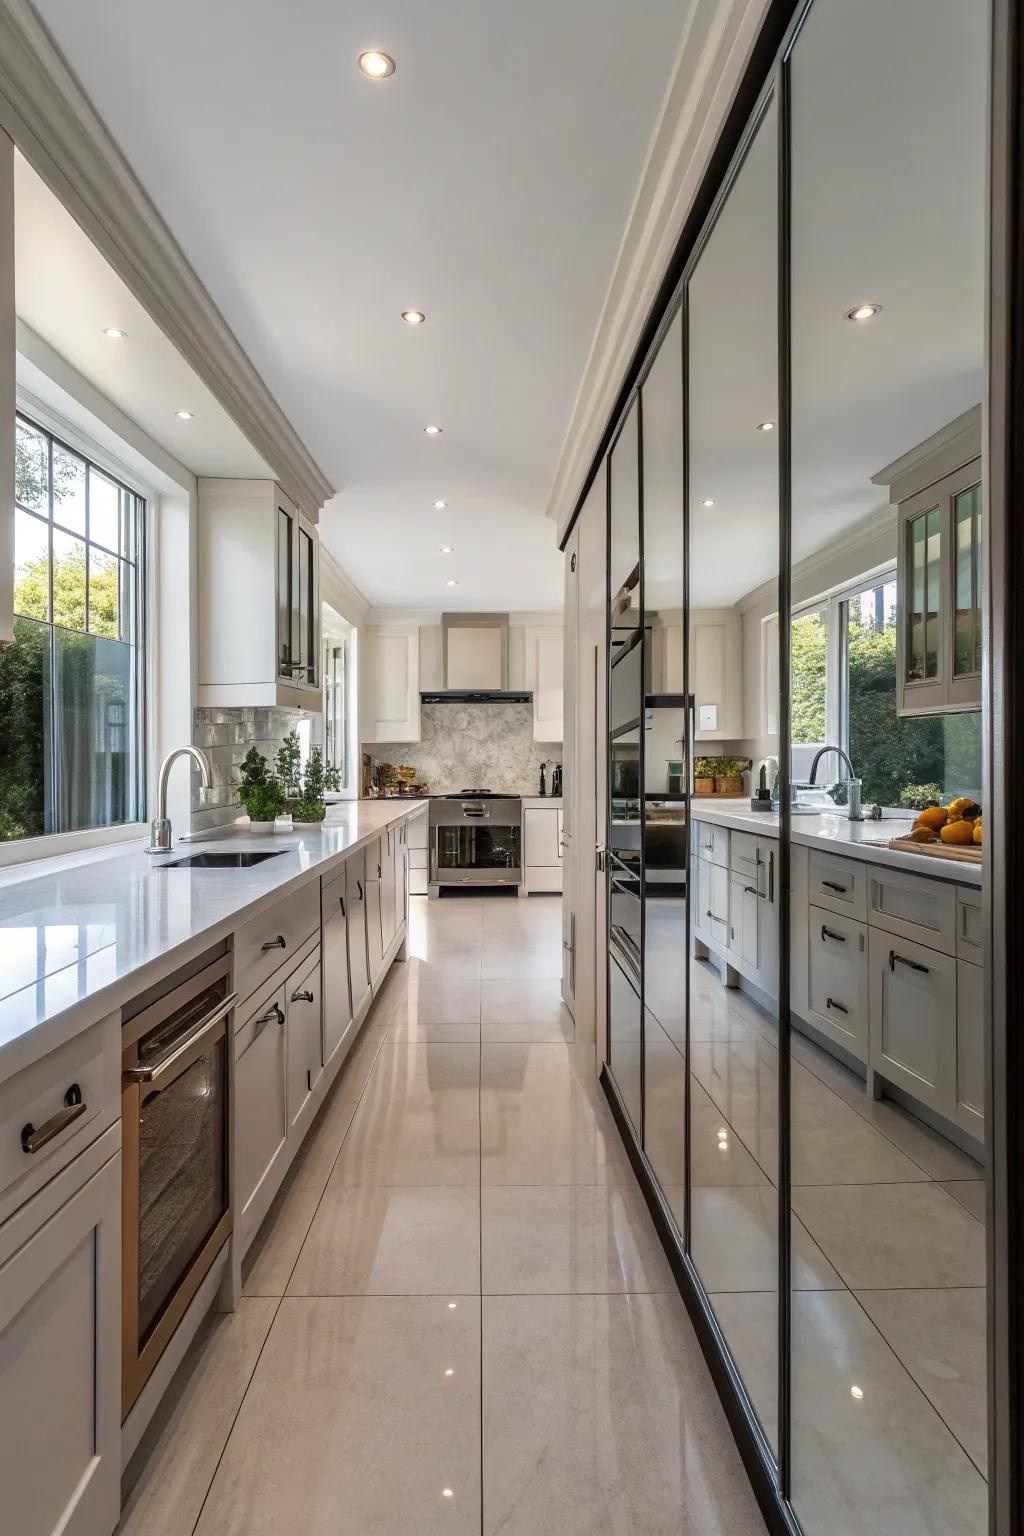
358 950
716 673
261 1109
913 1033
544 676
334 949
542 851
303 1002
838 995
390 696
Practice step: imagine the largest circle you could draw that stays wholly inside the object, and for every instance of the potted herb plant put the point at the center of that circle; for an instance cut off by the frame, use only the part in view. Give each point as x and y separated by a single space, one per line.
260 792
310 805
729 773
704 769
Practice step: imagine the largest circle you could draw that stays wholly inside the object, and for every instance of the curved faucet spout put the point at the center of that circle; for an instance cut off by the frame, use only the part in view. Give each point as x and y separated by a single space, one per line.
823 752
160 828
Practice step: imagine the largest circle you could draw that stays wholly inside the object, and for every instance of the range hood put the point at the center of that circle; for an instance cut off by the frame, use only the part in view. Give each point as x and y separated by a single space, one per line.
477 696
474 660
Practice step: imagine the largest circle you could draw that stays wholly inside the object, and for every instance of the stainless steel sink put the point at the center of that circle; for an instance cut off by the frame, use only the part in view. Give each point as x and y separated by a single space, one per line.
237 860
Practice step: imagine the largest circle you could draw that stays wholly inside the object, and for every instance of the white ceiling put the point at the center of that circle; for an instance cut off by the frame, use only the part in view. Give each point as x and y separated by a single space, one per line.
488 182
68 294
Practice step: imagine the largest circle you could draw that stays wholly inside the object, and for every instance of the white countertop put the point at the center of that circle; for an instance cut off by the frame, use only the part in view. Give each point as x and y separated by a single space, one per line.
81 934
865 840
530 802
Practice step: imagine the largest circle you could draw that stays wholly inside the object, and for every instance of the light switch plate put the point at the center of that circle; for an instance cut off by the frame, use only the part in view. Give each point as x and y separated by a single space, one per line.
707 717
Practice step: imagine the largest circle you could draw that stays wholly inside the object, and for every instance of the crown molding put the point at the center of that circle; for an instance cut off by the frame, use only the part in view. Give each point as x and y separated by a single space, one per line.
338 589
45 111
863 537
695 107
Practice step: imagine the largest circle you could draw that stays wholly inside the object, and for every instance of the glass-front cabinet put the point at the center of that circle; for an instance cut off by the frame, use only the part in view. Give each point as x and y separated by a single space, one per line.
298 597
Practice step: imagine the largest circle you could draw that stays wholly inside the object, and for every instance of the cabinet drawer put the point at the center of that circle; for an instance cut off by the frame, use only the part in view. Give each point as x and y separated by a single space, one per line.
743 858
713 843
839 978
913 908
272 939
89 1063
838 884
913 1033
968 926
417 858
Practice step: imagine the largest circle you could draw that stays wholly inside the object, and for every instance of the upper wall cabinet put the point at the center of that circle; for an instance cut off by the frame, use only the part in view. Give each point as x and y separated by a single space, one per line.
475 651
936 488
259 597
544 661
390 684
716 673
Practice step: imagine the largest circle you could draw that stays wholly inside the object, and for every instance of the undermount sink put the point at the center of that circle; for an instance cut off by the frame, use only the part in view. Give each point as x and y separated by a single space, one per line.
238 860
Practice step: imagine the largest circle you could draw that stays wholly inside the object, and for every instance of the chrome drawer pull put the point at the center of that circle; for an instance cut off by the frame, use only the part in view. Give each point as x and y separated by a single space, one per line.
33 1140
279 943
830 885
830 933
912 965
830 1002
302 997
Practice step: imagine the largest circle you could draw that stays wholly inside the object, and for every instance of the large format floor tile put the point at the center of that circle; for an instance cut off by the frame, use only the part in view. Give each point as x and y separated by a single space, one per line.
600 1418
353 1425
269 1263
882 1236
522 1000
735 1244
404 1240
418 1121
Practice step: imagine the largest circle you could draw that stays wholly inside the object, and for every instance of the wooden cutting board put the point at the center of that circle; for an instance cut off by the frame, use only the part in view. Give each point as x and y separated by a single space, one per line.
971 855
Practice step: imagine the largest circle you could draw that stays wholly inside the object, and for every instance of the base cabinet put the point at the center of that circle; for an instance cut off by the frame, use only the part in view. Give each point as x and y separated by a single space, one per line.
374 908
358 952
261 1108
970 1048
542 848
305 1041
334 953
60 1353
839 979
913 1019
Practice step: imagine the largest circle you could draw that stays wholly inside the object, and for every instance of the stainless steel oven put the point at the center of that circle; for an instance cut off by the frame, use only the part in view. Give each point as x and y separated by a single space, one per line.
176 1110
475 840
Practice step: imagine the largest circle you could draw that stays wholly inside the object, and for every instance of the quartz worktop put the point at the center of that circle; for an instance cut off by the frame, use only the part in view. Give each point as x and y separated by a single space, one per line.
83 933
867 840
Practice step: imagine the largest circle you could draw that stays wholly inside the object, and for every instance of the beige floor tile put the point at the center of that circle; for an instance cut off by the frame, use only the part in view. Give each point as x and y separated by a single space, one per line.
883 1236
940 1337
518 1000
277 1245
351 1425
418 1121
734 1241
514 959
600 1418
581 1238
369 1240
511 1033
971 1195
847 1151
716 1159
750 1322
417 1032
174 1465
444 963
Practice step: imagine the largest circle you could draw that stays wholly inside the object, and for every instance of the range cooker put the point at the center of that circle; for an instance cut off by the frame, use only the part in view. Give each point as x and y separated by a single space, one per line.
475 840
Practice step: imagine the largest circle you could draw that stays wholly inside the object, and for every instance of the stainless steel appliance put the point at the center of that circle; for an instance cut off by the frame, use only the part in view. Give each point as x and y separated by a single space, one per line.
475 839
176 1208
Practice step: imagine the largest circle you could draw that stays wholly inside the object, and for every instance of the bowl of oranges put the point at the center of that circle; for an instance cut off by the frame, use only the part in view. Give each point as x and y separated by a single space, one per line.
958 824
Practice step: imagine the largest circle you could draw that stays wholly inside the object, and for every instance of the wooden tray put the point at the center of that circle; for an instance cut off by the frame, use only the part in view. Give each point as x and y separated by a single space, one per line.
964 855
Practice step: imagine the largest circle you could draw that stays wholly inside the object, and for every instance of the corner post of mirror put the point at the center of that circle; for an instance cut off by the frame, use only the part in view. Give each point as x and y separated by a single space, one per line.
7 389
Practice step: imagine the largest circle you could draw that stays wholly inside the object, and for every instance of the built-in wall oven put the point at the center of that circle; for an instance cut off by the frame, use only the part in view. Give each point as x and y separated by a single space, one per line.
475 839
176 1111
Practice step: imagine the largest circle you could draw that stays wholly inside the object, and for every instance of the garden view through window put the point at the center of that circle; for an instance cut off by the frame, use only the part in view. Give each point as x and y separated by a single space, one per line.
900 761
71 751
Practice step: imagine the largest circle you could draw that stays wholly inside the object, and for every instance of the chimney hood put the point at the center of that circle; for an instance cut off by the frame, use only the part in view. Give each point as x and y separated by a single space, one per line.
474 656
477 696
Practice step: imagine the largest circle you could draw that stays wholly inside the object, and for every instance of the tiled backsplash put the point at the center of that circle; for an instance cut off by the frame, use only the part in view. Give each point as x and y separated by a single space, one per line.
474 746
226 735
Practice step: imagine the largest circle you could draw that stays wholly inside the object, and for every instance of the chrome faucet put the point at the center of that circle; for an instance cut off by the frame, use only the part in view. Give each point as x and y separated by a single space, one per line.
160 828
853 810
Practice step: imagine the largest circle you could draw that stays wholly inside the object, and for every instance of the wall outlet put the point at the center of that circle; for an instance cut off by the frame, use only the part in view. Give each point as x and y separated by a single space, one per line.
707 717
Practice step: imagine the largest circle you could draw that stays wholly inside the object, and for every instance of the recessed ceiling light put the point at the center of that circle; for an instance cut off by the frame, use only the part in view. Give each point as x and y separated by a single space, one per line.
433 431
863 312
439 506
413 316
708 501
376 65
185 415
115 333
453 583
447 549
766 426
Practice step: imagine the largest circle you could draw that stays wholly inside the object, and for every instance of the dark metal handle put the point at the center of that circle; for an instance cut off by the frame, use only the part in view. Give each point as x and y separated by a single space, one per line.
830 933
303 997
750 890
33 1140
342 900
830 885
708 912
912 965
771 877
273 1015
359 888
378 871
830 1002
279 943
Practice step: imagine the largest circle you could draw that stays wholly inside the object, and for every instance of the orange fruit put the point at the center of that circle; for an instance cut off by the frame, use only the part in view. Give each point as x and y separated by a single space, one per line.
922 834
977 831
957 833
963 806
934 816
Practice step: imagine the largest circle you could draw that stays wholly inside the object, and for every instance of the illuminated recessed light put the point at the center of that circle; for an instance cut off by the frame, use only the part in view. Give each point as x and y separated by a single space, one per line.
185 415
432 431
376 65
857 1392
708 501
766 426
447 549
115 333
439 506
863 312
447 1493
453 583
413 316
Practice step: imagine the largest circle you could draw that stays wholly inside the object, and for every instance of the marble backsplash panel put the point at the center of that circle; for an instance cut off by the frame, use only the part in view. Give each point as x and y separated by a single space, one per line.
474 746
226 735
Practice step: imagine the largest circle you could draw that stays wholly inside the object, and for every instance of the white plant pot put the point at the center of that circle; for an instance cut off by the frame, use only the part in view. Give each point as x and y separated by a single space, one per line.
260 826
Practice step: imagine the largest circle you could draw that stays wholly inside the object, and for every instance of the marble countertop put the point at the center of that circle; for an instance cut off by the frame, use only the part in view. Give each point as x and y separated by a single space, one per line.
867 840
81 934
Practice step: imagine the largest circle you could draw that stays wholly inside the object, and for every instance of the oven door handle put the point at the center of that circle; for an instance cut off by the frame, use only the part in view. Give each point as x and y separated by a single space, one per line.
185 1051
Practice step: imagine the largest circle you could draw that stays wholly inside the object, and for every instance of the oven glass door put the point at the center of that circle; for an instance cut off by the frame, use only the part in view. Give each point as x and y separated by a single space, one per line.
477 847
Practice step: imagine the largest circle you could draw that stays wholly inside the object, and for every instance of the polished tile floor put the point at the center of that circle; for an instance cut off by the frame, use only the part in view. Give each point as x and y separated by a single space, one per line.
457 1317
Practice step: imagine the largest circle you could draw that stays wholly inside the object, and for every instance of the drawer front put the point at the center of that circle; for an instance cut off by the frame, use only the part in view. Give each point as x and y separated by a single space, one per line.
261 1114
272 939
83 1075
713 843
914 908
968 926
838 884
839 978
743 858
418 858
913 1032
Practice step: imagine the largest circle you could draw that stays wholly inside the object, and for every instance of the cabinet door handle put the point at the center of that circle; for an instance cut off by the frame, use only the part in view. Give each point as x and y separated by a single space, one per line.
833 885
341 899
912 965
771 878
33 1139
750 890
830 1002
302 997
279 943
378 871
359 888
273 1015
830 933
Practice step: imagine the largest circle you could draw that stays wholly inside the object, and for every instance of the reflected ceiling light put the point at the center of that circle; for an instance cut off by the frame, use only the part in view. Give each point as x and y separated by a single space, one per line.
857 1392
185 415
115 333
447 1493
447 549
413 316
723 1145
863 312
433 431
766 426
376 65
439 506
708 501
453 583
452 1305
722 1133
450 1371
